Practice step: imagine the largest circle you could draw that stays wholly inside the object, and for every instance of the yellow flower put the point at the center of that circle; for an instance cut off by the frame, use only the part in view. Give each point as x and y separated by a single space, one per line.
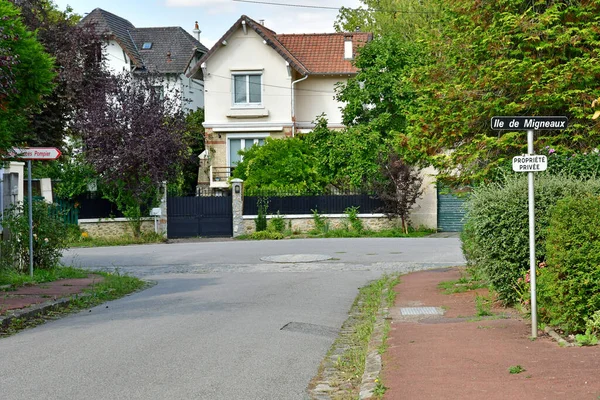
85 235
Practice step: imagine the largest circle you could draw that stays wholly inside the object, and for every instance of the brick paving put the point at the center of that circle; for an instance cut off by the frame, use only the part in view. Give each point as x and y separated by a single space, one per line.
27 296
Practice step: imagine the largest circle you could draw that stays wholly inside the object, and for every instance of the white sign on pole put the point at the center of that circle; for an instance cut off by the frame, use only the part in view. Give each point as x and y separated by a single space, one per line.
530 163
527 163
35 153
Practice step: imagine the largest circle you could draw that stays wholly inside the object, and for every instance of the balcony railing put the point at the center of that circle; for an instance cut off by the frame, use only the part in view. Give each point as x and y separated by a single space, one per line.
219 176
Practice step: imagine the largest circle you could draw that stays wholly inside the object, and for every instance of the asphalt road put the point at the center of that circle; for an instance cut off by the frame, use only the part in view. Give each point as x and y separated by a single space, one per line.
211 328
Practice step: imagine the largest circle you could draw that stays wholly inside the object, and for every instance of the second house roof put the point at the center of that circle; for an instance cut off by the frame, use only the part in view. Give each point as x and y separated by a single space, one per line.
309 54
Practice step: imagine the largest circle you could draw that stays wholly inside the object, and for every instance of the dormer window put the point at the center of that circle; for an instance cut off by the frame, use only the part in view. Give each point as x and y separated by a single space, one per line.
147 46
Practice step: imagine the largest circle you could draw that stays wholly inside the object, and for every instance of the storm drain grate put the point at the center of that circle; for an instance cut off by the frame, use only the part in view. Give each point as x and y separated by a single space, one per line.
405 311
303 327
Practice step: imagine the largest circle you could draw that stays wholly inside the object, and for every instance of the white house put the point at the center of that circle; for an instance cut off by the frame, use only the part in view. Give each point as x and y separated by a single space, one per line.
168 51
262 84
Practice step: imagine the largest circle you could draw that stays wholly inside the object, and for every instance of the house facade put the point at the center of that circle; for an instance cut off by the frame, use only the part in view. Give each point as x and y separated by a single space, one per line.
168 51
261 84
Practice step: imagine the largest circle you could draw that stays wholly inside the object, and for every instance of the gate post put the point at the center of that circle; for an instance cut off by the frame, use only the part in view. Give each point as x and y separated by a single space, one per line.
163 219
237 203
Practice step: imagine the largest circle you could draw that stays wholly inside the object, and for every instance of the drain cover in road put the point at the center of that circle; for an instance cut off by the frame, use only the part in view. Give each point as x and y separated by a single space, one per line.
405 311
296 258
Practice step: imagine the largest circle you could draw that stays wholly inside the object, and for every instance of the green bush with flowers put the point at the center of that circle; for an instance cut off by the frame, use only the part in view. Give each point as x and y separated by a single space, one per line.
49 237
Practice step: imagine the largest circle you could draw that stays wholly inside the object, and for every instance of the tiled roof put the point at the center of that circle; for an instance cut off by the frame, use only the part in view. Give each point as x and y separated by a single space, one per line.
171 51
319 54
172 47
323 53
119 28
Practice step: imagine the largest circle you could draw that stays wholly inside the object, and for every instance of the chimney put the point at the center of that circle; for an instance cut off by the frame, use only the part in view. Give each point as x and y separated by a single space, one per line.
348 52
262 22
197 31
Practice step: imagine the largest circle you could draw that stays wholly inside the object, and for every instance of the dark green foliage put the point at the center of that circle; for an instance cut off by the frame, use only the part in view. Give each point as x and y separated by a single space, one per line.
355 222
261 217
511 57
28 75
348 157
277 223
49 237
496 234
569 287
187 177
287 165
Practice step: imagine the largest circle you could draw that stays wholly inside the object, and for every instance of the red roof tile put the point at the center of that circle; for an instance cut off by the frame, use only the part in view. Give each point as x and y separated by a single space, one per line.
312 53
323 53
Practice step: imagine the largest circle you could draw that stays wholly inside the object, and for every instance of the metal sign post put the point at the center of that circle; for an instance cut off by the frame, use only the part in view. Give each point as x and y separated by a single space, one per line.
530 164
30 206
33 153
532 266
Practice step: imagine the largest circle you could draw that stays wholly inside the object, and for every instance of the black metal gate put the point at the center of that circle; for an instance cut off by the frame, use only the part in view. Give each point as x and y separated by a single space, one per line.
199 217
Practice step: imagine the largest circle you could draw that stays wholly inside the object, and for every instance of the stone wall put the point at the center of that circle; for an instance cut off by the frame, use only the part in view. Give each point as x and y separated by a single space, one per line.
305 223
117 227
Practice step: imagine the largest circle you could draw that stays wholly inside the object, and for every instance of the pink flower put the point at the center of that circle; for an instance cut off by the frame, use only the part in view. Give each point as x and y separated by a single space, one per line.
551 151
527 277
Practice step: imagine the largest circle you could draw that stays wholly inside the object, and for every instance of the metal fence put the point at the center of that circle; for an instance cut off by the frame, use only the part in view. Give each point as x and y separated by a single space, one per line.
307 204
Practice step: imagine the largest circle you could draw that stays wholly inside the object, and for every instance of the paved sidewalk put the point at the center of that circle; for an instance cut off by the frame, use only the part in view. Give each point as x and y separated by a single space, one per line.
456 356
34 299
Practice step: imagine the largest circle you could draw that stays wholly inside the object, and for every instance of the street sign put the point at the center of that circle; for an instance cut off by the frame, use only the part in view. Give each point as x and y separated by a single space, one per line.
35 153
527 123
528 163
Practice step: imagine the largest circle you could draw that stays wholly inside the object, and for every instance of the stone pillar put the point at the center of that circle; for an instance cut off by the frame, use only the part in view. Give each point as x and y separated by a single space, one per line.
162 220
46 189
237 202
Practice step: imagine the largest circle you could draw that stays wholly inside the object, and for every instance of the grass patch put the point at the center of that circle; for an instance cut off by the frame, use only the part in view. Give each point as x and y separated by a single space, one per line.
16 279
357 331
145 238
114 286
337 233
464 284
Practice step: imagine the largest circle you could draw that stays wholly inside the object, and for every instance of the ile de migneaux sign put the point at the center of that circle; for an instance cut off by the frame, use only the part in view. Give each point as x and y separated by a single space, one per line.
529 123
529 163
35 153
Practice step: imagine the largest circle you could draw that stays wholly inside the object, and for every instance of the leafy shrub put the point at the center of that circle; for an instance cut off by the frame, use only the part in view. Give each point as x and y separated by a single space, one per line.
261 217
321 223
495 239
277 223
355 222
49 237
569 292
265 235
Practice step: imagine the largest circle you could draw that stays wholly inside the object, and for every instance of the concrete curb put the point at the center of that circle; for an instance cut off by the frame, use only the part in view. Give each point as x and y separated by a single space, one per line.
38 309
557 337
373 363
53 305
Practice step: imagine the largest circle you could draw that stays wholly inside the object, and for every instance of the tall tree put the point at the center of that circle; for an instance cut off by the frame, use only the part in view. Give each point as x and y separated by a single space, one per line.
382 17
26 73
512 57
77 51
133 136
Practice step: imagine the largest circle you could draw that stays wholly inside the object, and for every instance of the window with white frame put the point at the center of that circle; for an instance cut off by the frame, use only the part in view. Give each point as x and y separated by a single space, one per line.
247 89
242 143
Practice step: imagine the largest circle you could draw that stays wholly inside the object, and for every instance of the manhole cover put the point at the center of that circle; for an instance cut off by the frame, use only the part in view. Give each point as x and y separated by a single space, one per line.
412 311
296 258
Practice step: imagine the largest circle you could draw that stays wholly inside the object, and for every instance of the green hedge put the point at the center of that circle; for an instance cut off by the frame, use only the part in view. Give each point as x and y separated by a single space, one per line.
569 287
496 233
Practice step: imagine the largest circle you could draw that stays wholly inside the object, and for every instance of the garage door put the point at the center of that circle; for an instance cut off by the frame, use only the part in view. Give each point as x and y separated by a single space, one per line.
450 211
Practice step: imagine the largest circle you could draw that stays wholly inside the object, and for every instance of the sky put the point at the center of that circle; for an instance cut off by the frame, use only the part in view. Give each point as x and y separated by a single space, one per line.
215 17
